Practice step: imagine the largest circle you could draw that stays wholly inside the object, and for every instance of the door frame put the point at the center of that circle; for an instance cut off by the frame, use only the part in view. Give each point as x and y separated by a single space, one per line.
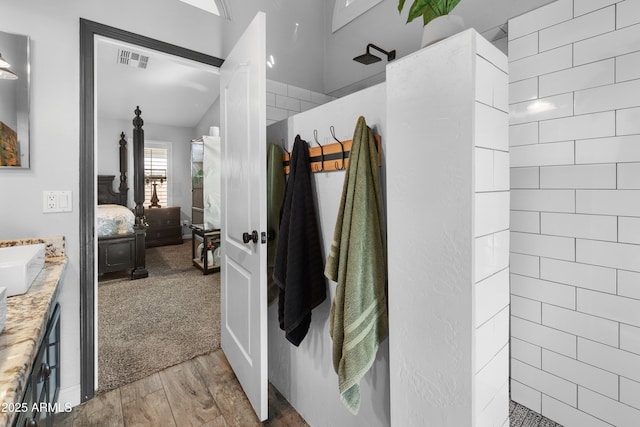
88 31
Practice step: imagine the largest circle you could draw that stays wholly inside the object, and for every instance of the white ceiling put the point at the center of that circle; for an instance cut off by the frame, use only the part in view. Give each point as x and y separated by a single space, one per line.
171 91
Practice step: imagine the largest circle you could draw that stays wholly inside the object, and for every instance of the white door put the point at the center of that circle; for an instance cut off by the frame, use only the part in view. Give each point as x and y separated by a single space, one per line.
244 213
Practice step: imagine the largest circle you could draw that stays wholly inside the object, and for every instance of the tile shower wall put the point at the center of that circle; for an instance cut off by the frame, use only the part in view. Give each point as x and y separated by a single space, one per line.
575 211
448 241
285 100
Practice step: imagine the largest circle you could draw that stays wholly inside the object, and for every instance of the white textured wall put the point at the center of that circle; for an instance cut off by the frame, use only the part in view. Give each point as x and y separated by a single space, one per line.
305 375
448 227
575 219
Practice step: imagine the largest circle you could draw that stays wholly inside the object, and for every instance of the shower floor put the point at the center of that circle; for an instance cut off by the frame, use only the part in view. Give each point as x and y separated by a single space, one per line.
521 416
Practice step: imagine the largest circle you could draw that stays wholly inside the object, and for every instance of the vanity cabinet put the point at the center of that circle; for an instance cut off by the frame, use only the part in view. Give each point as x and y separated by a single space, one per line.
41 389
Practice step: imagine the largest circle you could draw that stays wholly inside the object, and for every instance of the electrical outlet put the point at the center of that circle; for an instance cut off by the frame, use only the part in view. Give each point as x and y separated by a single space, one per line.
52 201
49 201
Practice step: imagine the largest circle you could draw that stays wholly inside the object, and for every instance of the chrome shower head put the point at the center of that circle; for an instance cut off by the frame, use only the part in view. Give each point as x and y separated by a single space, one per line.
369 58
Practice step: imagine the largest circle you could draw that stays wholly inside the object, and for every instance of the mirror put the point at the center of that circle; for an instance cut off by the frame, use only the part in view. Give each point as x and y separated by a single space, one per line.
14 101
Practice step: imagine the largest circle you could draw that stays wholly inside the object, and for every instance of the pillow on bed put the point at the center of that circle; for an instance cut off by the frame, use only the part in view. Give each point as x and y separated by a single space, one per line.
114 220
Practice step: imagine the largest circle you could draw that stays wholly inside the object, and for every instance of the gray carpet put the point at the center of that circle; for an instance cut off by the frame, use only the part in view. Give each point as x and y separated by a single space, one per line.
149 324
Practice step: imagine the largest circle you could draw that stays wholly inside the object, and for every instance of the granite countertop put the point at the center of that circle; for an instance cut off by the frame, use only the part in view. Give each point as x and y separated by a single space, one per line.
27 317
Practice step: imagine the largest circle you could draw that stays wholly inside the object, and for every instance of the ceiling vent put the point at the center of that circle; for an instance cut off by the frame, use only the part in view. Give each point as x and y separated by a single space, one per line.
132 59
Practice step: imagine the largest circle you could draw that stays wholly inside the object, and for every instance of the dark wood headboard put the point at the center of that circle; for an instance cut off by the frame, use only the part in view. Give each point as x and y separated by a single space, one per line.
106 193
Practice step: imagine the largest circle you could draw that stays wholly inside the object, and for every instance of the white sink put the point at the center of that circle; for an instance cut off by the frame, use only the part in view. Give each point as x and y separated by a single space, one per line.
19 265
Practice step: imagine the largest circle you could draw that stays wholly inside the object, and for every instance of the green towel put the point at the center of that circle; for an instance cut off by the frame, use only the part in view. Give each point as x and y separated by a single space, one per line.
275 193
357 262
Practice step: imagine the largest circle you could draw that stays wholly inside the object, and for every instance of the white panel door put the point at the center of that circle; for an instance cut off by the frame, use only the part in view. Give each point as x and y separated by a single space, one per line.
244 256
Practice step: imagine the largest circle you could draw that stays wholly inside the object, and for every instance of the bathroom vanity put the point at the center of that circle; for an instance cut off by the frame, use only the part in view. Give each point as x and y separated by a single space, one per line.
30 344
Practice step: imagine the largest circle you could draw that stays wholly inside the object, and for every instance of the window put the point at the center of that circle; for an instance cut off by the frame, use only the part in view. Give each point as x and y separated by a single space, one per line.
156 167
346 11
217 7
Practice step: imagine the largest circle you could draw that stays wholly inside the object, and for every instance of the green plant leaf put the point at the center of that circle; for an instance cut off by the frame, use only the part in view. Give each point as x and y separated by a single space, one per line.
428 9
429 14
451 4
417 9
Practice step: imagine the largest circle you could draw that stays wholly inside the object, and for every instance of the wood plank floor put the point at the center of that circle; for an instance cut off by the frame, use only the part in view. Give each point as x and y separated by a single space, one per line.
203 392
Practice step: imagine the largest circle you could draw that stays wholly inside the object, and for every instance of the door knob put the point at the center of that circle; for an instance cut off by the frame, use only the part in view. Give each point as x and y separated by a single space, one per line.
46 370
253 237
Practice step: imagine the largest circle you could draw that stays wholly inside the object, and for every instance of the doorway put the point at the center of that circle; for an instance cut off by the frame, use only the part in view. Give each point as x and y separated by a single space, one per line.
88 31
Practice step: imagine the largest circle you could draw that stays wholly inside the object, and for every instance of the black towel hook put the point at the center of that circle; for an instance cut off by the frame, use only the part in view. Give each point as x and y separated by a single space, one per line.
315 136
333 133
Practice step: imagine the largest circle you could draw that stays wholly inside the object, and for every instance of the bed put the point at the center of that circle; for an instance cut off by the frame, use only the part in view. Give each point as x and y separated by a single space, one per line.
121 231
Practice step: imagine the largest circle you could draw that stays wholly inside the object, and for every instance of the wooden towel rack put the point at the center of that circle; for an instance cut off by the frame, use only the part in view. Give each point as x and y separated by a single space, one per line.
332 154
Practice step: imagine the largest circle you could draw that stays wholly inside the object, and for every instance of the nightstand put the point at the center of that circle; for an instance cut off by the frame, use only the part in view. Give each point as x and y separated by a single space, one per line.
164 226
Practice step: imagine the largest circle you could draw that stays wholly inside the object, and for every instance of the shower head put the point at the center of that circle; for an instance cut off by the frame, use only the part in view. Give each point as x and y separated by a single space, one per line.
369 58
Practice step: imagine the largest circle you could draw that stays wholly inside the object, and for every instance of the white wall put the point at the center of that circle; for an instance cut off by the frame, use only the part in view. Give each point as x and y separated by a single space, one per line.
210 118
575 179
107 156
304 374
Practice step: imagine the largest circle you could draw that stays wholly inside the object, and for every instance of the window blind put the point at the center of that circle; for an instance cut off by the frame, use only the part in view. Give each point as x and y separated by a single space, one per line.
155 171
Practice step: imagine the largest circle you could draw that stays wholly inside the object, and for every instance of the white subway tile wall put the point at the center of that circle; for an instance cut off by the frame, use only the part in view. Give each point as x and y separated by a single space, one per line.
526 352
526 265
525 395
491 232
630 392
630 339
568 415
575 211
286 100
